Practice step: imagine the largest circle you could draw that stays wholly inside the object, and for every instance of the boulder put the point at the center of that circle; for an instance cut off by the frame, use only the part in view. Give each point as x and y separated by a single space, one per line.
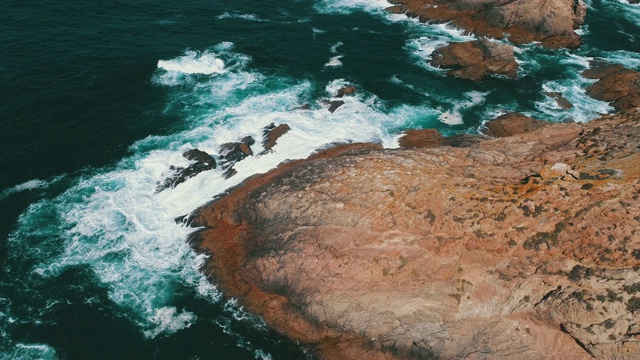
231 153
510 124
475 59
524 247
203 162
272 133
616 84
550 22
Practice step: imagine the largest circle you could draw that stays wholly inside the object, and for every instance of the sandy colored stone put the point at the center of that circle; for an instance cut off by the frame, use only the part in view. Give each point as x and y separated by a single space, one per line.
616 84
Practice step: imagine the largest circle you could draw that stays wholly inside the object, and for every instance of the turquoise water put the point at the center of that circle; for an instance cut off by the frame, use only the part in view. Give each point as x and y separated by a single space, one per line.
100 99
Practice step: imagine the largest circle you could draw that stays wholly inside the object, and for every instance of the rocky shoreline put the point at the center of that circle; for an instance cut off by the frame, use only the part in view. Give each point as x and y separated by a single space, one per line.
521 243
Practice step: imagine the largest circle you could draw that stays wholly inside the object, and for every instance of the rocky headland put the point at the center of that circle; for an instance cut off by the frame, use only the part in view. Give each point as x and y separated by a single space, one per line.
523 246
522 242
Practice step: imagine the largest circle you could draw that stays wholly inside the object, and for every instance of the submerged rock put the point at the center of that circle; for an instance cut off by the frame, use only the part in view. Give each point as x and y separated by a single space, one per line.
475 59
616 84
520 247
551 22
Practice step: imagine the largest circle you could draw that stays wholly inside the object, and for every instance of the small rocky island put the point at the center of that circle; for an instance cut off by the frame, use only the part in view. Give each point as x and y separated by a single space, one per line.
522 242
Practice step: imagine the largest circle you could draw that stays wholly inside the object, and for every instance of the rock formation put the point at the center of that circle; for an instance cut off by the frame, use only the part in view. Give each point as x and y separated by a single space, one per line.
512 124
526 247
551 22
475 59
203 162
271 134
563 103
616 84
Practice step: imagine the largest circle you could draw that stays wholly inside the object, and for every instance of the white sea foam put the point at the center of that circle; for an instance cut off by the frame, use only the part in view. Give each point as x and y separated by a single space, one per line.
334 47
191 63
585 108
246 17
454 116
334 61
349 6
29 186
30 351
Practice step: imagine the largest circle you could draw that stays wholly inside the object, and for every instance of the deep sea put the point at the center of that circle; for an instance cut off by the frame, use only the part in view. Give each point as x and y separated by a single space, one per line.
100 98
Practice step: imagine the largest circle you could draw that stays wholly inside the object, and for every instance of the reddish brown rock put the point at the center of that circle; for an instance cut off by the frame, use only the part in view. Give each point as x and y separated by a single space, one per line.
512 124
616 84
522 247
475 59
272 133
551 22
347 90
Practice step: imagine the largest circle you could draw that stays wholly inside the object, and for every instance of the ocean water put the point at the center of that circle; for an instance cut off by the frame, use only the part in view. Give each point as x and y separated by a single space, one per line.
100 99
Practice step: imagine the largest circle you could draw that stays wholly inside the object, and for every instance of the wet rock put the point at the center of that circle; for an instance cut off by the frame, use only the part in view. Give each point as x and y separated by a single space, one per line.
203 162
303 107
347 90
272 133
616 84
231 153
430 138
512 124
475 59
492 251
332 105
562 102
551 22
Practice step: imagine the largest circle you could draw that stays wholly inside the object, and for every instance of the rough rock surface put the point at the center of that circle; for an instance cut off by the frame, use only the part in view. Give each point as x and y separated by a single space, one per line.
231 153
522 247
616 84
551 22
272 133
203 162
512 124
475 59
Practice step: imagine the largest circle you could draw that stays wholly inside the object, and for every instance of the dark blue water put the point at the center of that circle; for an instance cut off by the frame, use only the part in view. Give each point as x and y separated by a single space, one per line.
99 99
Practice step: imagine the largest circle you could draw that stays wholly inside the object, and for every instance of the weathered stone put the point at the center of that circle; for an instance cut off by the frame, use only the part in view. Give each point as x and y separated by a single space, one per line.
429 138
272 133
475 59
512 124
476 252
347 90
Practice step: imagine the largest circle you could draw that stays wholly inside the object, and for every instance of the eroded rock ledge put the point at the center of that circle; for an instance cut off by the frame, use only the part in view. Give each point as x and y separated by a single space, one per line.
523 247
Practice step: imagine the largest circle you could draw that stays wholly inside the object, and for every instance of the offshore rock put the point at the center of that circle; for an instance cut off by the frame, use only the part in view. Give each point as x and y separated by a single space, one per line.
525 247
429 138
271 133
512 124
562 102
203 162
551 22
475 59
616 84
231 153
